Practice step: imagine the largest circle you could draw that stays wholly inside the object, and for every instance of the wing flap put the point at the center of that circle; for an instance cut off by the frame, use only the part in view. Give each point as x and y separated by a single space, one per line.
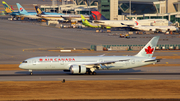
105 62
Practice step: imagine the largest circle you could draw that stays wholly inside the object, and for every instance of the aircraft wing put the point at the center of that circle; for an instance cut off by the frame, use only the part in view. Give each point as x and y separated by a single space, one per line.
128 24
104 63
97 21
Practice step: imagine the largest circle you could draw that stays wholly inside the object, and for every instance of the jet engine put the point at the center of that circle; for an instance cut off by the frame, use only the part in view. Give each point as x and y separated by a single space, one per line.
74 21
77 69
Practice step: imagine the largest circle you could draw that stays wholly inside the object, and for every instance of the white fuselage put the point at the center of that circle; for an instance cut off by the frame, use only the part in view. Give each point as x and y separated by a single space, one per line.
64 63
52 17
74 17
63 17
154 28
30 16
127 23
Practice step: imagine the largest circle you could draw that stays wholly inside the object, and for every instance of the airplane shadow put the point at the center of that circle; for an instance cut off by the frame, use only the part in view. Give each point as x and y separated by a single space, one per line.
99 72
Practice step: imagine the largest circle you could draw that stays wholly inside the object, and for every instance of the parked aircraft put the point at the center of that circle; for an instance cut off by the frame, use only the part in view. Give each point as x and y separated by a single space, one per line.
88 64
43 15
74 18
24 13
59 16
89 24
137 26
124 23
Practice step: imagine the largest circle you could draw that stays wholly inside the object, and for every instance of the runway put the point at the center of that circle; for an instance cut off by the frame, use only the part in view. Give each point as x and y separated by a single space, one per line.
140 73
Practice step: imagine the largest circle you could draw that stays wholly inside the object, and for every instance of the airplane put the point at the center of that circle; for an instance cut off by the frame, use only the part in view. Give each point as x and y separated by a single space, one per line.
54 17
127 23
59 16
9 10
137 26
86 23
24 13
123 23
89 24
88 64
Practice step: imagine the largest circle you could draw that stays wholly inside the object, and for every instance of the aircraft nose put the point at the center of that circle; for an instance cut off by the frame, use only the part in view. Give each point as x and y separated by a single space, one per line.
21 66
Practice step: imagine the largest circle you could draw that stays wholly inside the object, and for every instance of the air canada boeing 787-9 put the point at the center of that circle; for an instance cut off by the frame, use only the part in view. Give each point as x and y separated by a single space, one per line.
88 64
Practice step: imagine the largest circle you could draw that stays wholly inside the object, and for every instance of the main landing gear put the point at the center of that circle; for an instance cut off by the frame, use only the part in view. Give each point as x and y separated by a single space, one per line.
30 72
91 72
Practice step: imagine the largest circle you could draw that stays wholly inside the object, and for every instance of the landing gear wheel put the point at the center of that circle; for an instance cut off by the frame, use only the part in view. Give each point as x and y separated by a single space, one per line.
87 72
94 73
90 73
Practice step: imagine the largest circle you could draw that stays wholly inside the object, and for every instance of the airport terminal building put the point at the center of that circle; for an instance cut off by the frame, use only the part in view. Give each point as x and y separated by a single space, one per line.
140 9
121 9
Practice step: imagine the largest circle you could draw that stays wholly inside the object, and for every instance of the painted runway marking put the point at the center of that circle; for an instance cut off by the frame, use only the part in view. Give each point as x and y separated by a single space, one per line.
134 78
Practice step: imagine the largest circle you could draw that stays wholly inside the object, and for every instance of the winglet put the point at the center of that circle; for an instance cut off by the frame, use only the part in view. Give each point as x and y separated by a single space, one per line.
21 9
149 48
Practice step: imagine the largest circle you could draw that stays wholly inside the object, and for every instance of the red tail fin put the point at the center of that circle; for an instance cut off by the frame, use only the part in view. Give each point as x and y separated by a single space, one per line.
98 16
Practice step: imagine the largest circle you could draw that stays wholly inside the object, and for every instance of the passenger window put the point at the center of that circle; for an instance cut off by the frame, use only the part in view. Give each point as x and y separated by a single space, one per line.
24 62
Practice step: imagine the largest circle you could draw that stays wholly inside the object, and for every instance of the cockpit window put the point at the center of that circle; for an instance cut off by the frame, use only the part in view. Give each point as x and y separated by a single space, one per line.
24 62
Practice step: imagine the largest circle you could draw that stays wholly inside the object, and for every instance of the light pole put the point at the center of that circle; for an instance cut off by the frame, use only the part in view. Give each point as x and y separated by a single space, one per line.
89 7
130 8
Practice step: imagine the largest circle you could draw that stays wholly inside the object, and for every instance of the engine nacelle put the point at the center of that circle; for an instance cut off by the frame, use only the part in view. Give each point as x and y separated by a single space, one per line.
78 69
74 21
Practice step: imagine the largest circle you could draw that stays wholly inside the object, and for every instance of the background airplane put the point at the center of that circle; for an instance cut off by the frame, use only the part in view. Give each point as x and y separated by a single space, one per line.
24 13
121 23
89 24
138 26
46 16
59 16
86 23
88 64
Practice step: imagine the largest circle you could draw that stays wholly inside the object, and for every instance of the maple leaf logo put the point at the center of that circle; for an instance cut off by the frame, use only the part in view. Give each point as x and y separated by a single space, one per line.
149 50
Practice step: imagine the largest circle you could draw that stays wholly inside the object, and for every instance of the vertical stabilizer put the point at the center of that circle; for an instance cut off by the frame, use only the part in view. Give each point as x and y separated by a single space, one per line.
136 23
7 7
38 10
21 9
149 48
83 19
97 15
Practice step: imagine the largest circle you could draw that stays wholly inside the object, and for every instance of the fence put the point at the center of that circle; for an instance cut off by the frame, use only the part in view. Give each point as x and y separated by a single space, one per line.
133 47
